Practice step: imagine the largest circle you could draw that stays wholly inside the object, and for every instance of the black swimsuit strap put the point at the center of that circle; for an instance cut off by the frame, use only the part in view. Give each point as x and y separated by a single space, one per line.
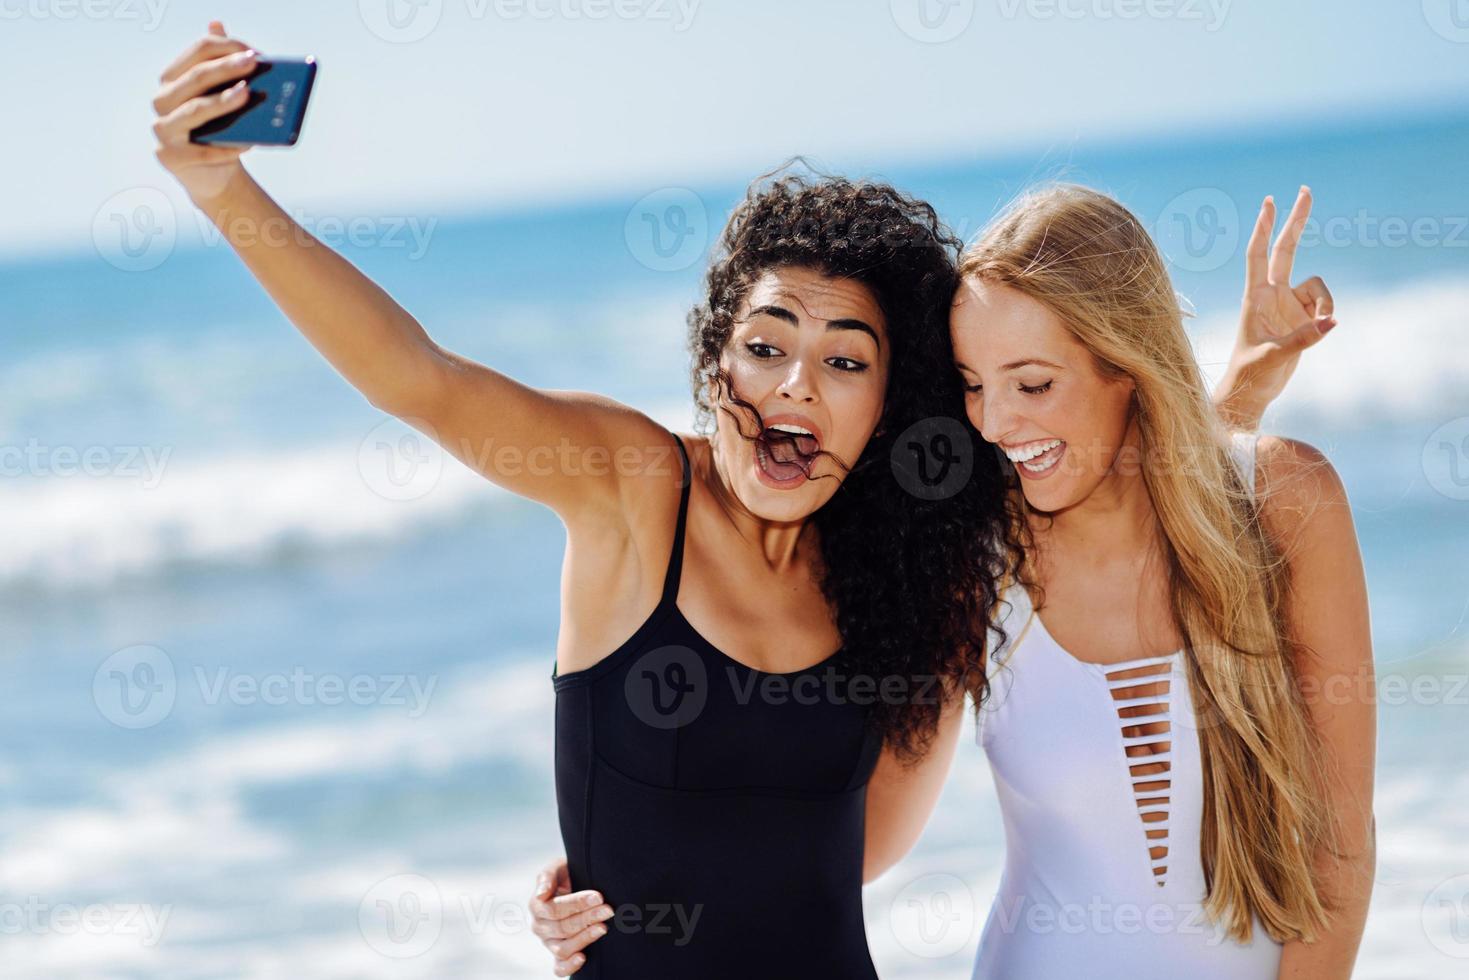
675 561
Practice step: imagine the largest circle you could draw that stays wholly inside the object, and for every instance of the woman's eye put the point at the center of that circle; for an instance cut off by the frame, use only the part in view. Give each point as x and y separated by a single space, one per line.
846 364
761 350
1036 389
974 389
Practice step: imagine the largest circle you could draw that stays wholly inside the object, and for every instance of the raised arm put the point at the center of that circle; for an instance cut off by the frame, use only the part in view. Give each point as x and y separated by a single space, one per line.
1277 321
1304 508
564 449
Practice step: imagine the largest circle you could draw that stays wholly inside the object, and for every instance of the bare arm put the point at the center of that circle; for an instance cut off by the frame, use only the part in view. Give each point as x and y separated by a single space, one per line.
566 450
1305 508
901 798
1277 321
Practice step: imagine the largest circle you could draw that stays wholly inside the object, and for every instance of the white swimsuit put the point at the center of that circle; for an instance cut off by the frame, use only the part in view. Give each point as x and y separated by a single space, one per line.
1082 894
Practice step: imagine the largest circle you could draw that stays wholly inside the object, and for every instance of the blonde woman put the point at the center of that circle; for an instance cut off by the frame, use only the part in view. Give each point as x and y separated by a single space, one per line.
1176 799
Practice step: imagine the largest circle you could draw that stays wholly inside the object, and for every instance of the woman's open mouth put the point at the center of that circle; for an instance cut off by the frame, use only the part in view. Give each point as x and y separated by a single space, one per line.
1034 460
784 454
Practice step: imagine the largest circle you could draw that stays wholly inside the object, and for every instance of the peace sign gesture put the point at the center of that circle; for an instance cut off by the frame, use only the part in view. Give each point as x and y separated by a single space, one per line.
1277 321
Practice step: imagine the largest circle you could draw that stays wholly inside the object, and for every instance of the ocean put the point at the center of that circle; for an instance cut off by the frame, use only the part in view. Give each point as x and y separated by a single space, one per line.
277 670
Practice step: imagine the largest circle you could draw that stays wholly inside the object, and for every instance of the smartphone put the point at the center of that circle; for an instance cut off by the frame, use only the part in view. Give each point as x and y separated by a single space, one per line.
274 109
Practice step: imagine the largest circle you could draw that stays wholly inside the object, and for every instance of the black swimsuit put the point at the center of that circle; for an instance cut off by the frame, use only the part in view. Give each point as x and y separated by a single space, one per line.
717 808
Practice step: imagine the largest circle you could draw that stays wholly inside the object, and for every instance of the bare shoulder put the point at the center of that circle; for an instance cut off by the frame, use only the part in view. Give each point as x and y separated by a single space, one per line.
1301 494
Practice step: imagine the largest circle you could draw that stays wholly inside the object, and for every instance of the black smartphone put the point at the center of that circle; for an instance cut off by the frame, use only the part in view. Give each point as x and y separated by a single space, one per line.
274 109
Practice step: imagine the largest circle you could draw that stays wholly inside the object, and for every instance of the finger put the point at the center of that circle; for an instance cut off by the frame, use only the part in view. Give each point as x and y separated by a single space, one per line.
174 128
576 923
216 27
566 948
563 878
565 968
563 906
203 77
1284 254
206 48
1257 251
1315 297
1306 335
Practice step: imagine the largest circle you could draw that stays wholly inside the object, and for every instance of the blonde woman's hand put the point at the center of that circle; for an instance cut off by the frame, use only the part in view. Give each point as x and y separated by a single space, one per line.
566 923
182 105
1278 321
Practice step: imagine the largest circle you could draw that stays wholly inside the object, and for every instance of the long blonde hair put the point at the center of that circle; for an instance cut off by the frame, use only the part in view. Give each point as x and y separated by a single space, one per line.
1089 260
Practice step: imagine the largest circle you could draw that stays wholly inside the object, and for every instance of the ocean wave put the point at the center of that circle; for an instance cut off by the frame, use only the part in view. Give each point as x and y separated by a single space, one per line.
1397 356
146 513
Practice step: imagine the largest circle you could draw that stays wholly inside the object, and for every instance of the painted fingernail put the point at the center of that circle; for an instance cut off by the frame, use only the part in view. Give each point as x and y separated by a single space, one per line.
592 899
602 914
599 931
1328 326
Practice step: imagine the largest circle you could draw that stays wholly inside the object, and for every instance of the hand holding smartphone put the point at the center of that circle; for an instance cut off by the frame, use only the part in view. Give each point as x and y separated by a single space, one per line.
273 111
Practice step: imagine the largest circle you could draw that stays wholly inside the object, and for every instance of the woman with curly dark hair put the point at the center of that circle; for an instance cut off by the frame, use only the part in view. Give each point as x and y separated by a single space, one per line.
764 627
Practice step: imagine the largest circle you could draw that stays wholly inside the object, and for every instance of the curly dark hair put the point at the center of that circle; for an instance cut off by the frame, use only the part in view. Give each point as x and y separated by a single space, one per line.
912 575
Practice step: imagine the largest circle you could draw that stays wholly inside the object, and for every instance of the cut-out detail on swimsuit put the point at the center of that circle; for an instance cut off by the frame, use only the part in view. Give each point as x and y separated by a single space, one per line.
1141 694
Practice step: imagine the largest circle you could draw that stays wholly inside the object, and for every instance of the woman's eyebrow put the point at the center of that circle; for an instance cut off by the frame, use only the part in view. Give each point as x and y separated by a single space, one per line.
1029 361
845 323
779 312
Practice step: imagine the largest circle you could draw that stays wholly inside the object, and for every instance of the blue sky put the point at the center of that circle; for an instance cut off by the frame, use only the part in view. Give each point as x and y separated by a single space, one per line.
521 101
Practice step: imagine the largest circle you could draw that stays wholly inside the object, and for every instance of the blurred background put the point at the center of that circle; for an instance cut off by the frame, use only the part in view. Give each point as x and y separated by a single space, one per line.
276 670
